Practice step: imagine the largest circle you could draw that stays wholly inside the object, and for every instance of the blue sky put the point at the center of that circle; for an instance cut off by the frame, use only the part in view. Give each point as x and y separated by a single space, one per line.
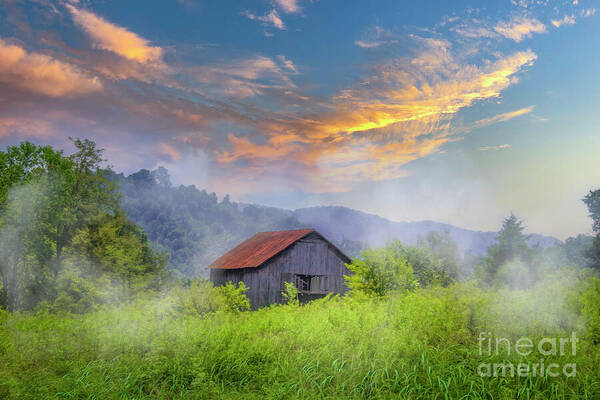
458 112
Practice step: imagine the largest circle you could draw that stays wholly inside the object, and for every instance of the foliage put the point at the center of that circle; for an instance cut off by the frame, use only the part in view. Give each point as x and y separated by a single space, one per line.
198 297
76 293
58 211
290 294
445 250
234 296
589 303
398 267
592 201
381 271
511 243
428 269
510 246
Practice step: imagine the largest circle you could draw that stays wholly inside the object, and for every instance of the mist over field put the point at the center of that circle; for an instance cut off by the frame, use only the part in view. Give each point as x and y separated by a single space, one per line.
293 199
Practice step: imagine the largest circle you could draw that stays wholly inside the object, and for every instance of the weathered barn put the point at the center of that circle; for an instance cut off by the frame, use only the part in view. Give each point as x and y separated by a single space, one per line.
269 259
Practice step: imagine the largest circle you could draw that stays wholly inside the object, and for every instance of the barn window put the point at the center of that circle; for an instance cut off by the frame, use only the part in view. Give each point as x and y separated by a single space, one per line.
311 283
303 283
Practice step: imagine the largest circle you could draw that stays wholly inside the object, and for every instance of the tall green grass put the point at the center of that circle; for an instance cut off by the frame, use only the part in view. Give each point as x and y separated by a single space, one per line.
419 345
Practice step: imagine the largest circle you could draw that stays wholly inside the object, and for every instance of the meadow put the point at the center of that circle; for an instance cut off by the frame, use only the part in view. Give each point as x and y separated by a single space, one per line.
422 344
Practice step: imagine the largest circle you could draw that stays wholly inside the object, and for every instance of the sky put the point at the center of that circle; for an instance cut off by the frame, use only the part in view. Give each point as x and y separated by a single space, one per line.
459 112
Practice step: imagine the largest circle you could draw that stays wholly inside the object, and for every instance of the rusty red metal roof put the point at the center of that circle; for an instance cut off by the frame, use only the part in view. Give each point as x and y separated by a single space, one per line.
259 248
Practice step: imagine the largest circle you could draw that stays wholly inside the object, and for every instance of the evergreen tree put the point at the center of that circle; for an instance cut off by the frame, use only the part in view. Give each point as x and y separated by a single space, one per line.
510 246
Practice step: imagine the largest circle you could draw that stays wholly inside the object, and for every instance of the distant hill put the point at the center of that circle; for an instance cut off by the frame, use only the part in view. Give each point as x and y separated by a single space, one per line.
195 228
191 225
339 223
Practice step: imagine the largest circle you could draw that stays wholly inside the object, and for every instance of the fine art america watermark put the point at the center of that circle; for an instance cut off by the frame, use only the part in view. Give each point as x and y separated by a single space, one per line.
545 347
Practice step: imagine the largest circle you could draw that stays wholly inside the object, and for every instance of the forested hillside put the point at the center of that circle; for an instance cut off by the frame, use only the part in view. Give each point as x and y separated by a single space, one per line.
191 225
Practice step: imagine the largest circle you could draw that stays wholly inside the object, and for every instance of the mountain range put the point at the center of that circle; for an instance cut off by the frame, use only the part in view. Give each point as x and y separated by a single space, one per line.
194 227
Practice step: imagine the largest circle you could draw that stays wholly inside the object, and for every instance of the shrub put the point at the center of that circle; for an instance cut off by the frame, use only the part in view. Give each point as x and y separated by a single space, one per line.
381 271
290 294
589 301
234 297
198 298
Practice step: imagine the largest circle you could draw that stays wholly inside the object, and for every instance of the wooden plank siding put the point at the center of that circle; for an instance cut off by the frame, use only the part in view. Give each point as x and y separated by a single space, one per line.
311 255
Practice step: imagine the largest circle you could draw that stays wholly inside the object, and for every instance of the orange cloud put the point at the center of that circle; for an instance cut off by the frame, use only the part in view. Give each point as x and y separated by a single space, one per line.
113 38
242 148
399 113
394 95
42 74
170 151
30 127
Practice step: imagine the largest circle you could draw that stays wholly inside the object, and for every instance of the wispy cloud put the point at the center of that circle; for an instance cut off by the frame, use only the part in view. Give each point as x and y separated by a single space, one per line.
367 45
566 20
588 12
288 64
42 74
116 39
270 19
377 37
495 148
247 77
519 28
502 117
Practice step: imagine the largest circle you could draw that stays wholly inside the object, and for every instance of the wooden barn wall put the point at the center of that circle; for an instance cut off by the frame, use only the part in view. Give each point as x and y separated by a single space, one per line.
309 256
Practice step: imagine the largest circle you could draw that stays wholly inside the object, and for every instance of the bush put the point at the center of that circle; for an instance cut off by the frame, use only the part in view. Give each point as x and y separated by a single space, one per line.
589 301
290 294
381 271
200 297
234 297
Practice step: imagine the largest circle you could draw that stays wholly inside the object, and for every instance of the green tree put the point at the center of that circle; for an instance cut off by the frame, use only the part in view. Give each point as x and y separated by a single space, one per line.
50 204
579 251
28 177
510 246
428 270
116 247
444 250
592 201
511 243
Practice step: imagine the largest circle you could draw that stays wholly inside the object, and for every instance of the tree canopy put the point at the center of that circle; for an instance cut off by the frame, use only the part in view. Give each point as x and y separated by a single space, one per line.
59 214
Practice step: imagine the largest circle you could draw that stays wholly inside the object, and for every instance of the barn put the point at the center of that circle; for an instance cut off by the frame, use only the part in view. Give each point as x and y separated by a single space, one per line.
269 259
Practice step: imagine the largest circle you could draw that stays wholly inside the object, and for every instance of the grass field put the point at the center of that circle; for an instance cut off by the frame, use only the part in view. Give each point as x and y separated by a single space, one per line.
418 345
